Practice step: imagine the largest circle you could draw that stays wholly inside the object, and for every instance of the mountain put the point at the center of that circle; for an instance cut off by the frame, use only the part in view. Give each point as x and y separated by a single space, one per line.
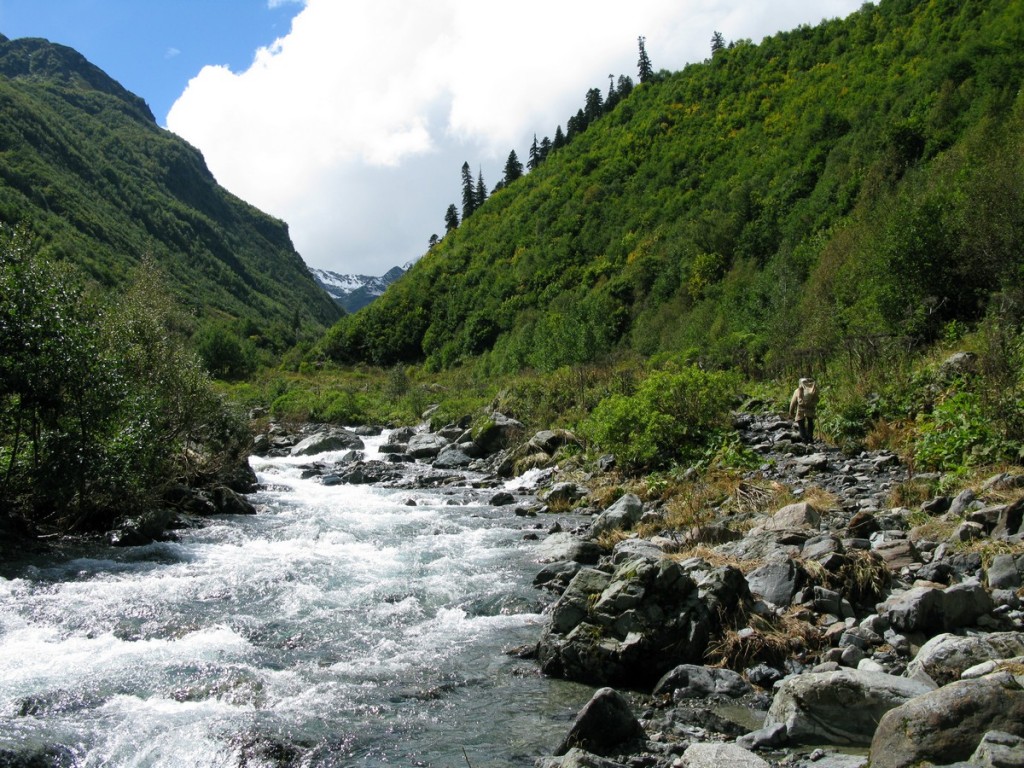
353 292
830 191
85 168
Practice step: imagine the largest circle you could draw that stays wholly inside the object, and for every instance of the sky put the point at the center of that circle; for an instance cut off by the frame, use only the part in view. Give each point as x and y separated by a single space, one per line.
351 119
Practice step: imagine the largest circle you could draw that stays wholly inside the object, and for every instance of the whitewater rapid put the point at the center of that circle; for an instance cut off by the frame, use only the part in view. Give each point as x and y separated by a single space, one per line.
340 626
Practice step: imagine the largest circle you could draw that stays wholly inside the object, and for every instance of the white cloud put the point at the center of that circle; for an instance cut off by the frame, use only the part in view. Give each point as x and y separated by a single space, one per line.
353 126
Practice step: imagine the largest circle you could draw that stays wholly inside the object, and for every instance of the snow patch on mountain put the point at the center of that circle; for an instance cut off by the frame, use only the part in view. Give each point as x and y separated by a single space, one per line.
353 292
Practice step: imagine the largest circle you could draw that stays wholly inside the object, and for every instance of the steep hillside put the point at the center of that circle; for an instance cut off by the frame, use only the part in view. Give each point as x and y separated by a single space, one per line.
84 166
781 202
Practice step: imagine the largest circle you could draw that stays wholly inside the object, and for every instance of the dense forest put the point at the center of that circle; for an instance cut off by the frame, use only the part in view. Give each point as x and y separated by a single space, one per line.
832 189
85 168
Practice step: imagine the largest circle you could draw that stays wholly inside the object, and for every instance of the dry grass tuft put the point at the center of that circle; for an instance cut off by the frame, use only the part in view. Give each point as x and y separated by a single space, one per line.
772 641
863 578
819 498
609 539
896 436
911 493
715 559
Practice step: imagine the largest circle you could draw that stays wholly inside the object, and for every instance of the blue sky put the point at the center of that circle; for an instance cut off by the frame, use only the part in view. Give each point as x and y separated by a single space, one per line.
153 47
351 119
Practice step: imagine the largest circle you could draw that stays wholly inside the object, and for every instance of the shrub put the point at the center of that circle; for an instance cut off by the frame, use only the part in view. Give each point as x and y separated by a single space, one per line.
671 417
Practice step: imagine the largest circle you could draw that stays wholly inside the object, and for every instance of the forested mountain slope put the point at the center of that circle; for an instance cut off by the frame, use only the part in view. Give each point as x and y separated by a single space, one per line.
833 185
86 169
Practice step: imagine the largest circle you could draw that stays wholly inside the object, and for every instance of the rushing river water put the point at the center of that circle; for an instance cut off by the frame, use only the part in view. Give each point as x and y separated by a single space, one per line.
341 626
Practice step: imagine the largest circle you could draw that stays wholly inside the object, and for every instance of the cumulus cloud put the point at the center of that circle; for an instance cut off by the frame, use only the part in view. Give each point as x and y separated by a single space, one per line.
354 125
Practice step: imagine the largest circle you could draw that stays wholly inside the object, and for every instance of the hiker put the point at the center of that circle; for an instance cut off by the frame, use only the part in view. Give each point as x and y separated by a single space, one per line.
802 407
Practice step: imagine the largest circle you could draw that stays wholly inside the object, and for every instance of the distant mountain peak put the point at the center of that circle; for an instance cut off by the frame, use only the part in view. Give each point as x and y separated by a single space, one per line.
353 292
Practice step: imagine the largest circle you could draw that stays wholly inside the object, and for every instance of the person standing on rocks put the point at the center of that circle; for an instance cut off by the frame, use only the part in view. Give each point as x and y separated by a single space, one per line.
803 407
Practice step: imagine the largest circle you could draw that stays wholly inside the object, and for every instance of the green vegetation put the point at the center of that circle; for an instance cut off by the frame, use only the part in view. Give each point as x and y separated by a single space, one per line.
86 169
101 404
770 208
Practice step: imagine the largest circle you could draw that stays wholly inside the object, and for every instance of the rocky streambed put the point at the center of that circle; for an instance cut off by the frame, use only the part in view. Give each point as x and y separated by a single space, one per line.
833 629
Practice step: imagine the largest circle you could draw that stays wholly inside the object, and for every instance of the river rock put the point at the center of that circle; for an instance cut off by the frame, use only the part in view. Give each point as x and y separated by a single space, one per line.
564 494
691 681
632 626
931 610
840 707
776 581
577 758
498 432
799 516
998 749
426 445
328 440
1005 571
452 457
620 516
604 726
550 440
945 657
720 755
948 724
565 546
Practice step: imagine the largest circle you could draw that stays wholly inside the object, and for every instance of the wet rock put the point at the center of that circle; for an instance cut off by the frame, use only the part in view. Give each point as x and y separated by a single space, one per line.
327 440
452 457
550 440
949 723
606 725
426 445
841 707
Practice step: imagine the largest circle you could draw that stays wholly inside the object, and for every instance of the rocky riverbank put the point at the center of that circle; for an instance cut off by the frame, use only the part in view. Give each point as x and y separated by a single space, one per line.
830 610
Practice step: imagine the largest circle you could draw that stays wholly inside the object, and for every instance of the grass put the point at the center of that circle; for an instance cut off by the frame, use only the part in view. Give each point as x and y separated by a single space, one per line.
773 640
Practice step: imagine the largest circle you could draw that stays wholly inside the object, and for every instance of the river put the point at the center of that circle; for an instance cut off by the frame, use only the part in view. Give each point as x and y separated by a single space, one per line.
341 626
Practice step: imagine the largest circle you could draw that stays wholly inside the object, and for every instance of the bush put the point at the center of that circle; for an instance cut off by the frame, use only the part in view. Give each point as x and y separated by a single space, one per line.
671 417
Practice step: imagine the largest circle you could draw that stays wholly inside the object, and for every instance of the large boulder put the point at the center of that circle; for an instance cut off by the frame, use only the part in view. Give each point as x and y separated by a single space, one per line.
945 657
930 610
498 432
620 516
328 440
632 626
841 707
426 445
948 724
606 725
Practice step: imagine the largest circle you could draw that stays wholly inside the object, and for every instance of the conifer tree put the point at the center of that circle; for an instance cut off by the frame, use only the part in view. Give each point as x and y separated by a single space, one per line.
451 218
535 158
545 148
645 70
468 193
481 191
717 43
513 168
594 106
559 140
